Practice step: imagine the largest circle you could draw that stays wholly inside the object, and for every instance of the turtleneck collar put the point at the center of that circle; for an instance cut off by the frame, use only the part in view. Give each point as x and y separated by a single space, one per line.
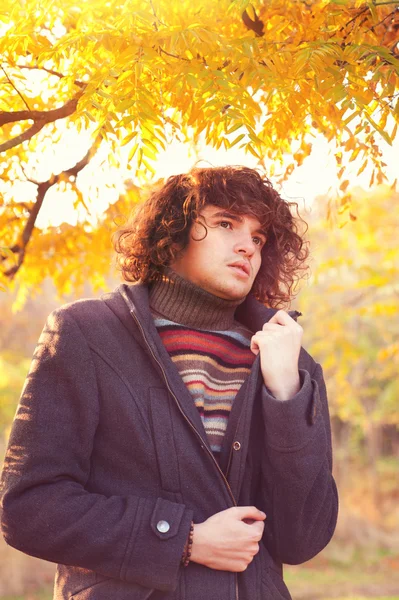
181 301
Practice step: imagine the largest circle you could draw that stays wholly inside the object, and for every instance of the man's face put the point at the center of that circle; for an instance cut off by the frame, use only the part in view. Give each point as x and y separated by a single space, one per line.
226 261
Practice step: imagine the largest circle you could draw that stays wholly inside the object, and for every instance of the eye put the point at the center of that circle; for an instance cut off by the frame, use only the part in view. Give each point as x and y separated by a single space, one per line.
259 241
225 224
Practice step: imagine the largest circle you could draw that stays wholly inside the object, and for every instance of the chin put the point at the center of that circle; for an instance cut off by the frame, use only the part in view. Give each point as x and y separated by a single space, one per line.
232 294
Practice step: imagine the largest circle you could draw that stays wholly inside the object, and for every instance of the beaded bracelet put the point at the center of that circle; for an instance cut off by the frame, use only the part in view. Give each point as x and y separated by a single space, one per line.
187 550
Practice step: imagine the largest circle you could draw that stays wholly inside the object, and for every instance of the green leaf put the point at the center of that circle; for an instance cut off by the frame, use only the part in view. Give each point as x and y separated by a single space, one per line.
193 81
237 139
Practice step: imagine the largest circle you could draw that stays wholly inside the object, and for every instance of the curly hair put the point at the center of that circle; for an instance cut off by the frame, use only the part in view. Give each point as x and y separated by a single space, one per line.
159 228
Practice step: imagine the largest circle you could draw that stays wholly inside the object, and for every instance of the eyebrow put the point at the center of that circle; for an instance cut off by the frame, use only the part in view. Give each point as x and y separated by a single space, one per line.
235 217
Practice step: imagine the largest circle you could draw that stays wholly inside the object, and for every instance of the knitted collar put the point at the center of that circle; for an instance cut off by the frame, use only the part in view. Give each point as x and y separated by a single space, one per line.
181 301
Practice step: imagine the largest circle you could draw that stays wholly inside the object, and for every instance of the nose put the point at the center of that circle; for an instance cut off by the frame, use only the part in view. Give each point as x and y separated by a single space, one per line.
245 245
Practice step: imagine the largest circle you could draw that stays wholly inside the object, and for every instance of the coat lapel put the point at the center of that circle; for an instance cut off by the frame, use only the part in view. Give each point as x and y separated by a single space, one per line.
131 305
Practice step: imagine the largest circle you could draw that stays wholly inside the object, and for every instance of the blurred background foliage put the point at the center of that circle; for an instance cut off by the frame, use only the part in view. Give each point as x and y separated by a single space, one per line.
349 306
93 93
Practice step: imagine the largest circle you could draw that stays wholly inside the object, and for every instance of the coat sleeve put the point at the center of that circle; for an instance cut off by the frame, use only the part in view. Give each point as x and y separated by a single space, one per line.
297 490
46 510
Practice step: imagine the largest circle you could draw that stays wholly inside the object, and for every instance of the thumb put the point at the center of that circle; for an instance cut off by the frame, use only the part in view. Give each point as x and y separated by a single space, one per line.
249 512
254 345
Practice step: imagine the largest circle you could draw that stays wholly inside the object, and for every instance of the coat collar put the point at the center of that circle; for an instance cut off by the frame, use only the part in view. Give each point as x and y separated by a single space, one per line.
251 313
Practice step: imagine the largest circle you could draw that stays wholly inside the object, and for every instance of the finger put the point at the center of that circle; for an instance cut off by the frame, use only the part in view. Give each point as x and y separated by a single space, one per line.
281 317
257 529
249 512
255 550
254 345
273 327
263 336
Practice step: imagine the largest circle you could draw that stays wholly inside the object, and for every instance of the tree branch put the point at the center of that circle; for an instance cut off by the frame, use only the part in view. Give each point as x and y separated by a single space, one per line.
39 118
41 115
26 135
20 249
42 189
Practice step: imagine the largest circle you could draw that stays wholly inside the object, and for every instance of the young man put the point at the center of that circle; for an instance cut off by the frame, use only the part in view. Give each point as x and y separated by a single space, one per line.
173 439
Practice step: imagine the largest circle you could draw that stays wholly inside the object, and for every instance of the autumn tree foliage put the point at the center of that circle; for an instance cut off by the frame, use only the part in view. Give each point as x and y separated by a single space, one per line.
350 320
351 307
129 76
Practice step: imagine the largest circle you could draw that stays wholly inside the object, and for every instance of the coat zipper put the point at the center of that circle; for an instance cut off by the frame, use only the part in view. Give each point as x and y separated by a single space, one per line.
197 433
231 453
182 411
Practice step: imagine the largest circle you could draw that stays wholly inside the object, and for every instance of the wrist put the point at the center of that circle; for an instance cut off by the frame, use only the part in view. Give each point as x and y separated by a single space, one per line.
197 550
286 389
186 556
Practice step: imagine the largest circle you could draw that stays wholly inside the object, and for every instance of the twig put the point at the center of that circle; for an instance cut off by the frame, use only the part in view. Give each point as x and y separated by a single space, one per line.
15 88
174 55
80 84
155 15
363 10
391 14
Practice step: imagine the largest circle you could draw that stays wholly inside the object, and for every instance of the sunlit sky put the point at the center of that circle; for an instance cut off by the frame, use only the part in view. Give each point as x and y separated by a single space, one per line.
317 176
101 183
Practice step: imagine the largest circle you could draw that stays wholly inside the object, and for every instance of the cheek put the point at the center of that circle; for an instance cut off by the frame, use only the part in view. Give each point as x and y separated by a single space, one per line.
199 254
257 264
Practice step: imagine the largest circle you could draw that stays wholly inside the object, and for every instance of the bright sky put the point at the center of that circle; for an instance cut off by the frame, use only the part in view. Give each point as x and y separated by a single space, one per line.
102 183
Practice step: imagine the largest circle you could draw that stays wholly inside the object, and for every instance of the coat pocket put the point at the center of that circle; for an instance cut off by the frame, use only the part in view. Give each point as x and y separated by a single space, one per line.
274 586
164 440
107 589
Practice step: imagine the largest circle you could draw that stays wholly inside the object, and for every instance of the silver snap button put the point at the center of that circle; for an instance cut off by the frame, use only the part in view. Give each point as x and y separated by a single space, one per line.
163 526
236 446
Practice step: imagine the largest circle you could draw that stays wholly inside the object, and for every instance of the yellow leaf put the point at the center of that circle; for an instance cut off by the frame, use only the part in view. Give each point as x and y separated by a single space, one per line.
128 138
132 152
148 166
344 185
149 144
252 150
364 165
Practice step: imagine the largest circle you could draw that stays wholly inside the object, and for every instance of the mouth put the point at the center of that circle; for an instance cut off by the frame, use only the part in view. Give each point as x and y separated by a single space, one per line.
241 268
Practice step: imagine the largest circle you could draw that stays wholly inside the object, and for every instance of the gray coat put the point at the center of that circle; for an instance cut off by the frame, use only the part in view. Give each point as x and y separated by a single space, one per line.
108 462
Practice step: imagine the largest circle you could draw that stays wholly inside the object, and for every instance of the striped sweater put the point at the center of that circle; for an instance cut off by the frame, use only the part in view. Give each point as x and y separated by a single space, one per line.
213 364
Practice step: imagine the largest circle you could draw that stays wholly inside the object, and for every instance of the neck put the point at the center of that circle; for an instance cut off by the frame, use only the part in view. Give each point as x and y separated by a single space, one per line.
181 301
